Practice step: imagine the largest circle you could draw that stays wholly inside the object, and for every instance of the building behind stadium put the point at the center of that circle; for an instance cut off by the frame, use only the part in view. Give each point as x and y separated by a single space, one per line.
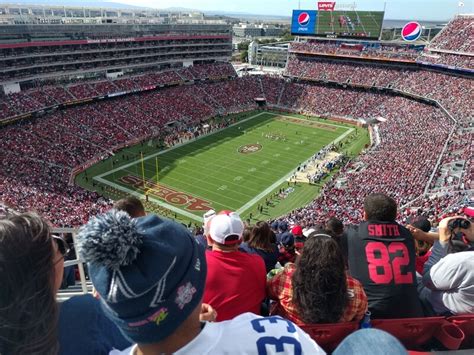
60 44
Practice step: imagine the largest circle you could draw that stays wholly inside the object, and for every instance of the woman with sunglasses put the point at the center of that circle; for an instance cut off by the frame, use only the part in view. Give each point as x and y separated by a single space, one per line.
31 321
316 289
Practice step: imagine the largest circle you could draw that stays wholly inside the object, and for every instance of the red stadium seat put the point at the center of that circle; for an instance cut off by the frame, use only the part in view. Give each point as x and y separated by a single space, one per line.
413 333
466 323
328 336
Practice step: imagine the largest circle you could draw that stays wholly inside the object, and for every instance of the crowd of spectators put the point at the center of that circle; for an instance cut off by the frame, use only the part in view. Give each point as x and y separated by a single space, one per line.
356 73
37 156
390 167
406 53
453 60
68 138
453 47
452 92
456 36
333 278
179 293
38 98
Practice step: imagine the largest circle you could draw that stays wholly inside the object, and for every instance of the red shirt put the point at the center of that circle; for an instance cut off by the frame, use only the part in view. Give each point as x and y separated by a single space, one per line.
420 262
235 283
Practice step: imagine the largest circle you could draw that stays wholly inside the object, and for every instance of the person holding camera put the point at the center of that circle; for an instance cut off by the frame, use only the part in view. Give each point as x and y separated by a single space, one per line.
448 276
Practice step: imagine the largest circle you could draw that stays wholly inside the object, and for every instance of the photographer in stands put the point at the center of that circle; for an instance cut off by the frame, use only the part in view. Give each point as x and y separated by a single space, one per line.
449 272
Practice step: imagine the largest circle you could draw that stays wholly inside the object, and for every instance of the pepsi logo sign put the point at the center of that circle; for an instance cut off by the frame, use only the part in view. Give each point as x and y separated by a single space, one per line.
411 31
303 19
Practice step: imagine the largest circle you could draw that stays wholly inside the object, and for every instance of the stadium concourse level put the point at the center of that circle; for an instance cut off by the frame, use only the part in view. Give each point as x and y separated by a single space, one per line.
453 46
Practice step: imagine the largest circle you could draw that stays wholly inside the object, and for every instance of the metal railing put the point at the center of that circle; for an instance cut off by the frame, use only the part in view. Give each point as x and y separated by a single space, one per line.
77 261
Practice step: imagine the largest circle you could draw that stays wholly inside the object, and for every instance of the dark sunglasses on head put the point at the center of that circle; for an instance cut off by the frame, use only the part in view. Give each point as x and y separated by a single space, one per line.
63 246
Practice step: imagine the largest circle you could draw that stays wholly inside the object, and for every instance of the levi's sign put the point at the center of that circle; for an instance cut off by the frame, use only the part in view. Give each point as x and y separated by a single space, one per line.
326 5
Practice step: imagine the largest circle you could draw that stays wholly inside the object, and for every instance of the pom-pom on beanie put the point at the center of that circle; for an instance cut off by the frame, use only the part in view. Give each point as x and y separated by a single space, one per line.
149 272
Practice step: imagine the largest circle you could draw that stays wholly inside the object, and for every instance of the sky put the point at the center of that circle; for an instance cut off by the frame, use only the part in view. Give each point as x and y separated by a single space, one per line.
425 10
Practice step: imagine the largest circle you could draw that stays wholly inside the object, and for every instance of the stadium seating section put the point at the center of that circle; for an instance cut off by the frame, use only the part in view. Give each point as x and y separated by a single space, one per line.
36 173
422 155
453 333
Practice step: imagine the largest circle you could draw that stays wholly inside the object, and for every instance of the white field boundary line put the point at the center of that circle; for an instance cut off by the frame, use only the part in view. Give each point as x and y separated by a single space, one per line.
286 177
150 198
100 178
179 145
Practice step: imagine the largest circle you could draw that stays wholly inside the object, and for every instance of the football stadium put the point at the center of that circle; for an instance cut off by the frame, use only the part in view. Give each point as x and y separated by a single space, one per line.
249 160
154 195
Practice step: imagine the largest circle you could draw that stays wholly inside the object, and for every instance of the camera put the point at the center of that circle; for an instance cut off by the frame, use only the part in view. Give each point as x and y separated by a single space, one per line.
458 223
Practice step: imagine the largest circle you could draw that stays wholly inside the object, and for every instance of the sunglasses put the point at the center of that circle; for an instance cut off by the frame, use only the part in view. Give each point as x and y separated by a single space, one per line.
315 234
63 246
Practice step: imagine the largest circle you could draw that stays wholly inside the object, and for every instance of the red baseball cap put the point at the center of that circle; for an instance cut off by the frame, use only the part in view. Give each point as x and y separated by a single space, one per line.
297 230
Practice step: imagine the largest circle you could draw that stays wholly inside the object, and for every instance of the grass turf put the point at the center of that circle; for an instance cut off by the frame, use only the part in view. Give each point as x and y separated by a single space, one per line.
210 172
368 23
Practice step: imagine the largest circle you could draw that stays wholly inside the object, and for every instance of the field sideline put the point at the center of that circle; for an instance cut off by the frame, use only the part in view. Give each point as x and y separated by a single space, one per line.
235 168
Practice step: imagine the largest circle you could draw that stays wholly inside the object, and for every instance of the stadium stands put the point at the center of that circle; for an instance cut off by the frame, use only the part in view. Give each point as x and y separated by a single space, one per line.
456 36
86 131
379 51
96 135
452 47
422 154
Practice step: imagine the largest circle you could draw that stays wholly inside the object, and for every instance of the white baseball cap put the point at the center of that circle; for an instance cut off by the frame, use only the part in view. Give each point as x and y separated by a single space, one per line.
226 228
207 218
308 231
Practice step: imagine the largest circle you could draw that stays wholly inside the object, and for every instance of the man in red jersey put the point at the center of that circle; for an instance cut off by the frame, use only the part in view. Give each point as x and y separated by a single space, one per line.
235 281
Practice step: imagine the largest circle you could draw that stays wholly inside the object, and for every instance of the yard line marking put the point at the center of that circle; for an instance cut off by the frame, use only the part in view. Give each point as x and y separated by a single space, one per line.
181 189
246 206
151 198
286 177
179 145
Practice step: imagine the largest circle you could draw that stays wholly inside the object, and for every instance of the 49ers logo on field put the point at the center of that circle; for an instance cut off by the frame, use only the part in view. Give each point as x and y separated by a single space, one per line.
168 194
250 148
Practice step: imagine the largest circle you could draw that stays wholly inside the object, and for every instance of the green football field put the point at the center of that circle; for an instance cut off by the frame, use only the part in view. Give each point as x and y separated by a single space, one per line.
368 23
236 168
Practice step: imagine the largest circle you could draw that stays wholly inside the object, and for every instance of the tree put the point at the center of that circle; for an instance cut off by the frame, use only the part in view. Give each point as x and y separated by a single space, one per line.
286 36
244 56
243 46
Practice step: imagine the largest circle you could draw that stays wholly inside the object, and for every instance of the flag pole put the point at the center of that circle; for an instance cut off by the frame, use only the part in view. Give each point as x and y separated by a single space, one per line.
143 172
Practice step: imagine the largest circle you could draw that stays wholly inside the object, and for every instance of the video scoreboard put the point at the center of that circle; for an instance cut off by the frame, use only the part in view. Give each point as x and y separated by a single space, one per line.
337 23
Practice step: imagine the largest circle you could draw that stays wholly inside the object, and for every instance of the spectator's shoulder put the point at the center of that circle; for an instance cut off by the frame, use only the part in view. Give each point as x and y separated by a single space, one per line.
79 304
84 328
352 282
351 228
